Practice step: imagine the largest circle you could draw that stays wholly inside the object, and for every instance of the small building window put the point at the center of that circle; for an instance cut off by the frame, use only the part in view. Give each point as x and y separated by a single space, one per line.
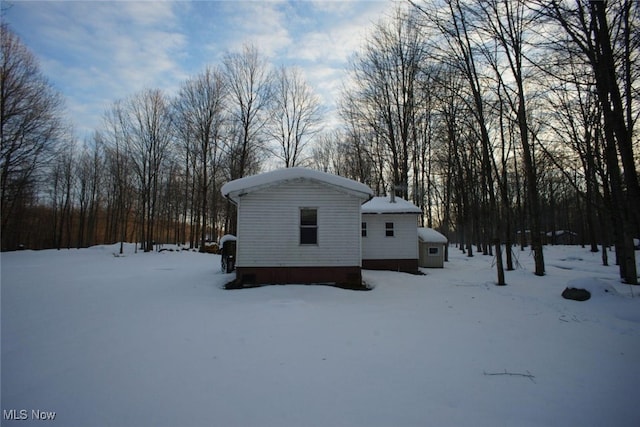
308 226
388 229
434 251
364 229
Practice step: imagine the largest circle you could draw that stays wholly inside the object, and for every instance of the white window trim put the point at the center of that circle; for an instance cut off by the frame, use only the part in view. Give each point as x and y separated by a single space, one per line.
300 226
387 229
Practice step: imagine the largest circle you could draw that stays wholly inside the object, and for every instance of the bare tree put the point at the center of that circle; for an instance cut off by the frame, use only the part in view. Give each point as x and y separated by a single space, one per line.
576 117
250 88
324 151
461 50
450 108
149 125
87 173
386 74
62 180
115 139
358 150
604 36
295 115
96 181
31 125
508 22
199 110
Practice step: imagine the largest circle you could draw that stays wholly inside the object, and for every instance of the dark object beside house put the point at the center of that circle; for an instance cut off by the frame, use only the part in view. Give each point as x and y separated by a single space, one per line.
562 237
228 258
576 294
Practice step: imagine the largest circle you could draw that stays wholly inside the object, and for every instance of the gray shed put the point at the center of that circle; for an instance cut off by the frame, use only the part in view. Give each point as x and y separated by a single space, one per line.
431 248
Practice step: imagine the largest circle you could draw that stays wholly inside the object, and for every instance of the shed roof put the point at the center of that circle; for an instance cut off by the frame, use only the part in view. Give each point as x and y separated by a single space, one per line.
236 188
227 238
383 205
430 235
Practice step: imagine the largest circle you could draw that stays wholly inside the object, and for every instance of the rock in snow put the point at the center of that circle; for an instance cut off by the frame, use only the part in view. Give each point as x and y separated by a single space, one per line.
576 294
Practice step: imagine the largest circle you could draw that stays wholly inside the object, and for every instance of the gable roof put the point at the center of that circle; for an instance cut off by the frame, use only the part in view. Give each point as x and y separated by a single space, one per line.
430 235
383 205
236 188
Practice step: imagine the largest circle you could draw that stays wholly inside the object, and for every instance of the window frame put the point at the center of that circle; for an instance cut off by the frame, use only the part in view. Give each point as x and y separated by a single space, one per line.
389 229
430 253
363 232
303 236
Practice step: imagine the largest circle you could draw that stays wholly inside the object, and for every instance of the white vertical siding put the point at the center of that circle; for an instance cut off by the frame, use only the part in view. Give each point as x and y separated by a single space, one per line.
427 260
403 244
269 227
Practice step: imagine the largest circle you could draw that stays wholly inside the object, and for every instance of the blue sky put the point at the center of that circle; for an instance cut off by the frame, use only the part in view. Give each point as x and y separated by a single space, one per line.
96 52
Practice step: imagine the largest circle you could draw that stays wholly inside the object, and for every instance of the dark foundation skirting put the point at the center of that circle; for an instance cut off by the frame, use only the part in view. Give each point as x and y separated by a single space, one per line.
347 277
405 265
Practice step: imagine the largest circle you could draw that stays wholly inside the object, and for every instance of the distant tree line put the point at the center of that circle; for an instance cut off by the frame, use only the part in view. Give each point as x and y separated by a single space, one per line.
505 121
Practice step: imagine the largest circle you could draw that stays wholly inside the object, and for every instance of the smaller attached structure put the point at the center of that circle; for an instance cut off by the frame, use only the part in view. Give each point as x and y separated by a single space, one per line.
432 246
389 238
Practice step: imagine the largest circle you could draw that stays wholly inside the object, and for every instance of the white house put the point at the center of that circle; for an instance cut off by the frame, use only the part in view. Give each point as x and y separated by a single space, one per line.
297 225
432 245
389 234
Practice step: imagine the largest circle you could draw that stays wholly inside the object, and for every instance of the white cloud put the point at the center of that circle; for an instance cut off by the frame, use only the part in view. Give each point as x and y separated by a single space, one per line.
260 23
340 6
98 52
340 30
324 52
150 13
331 45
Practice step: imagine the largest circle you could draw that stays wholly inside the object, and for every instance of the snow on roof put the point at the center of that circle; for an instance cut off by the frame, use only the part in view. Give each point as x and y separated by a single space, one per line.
268 179
383 205
430 235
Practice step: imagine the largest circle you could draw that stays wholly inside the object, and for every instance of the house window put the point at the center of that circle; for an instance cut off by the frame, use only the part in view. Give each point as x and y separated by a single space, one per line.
388 229
434 251
308 226
364 229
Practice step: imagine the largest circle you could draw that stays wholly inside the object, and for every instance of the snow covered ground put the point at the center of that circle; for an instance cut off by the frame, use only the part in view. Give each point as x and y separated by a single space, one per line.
153 340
